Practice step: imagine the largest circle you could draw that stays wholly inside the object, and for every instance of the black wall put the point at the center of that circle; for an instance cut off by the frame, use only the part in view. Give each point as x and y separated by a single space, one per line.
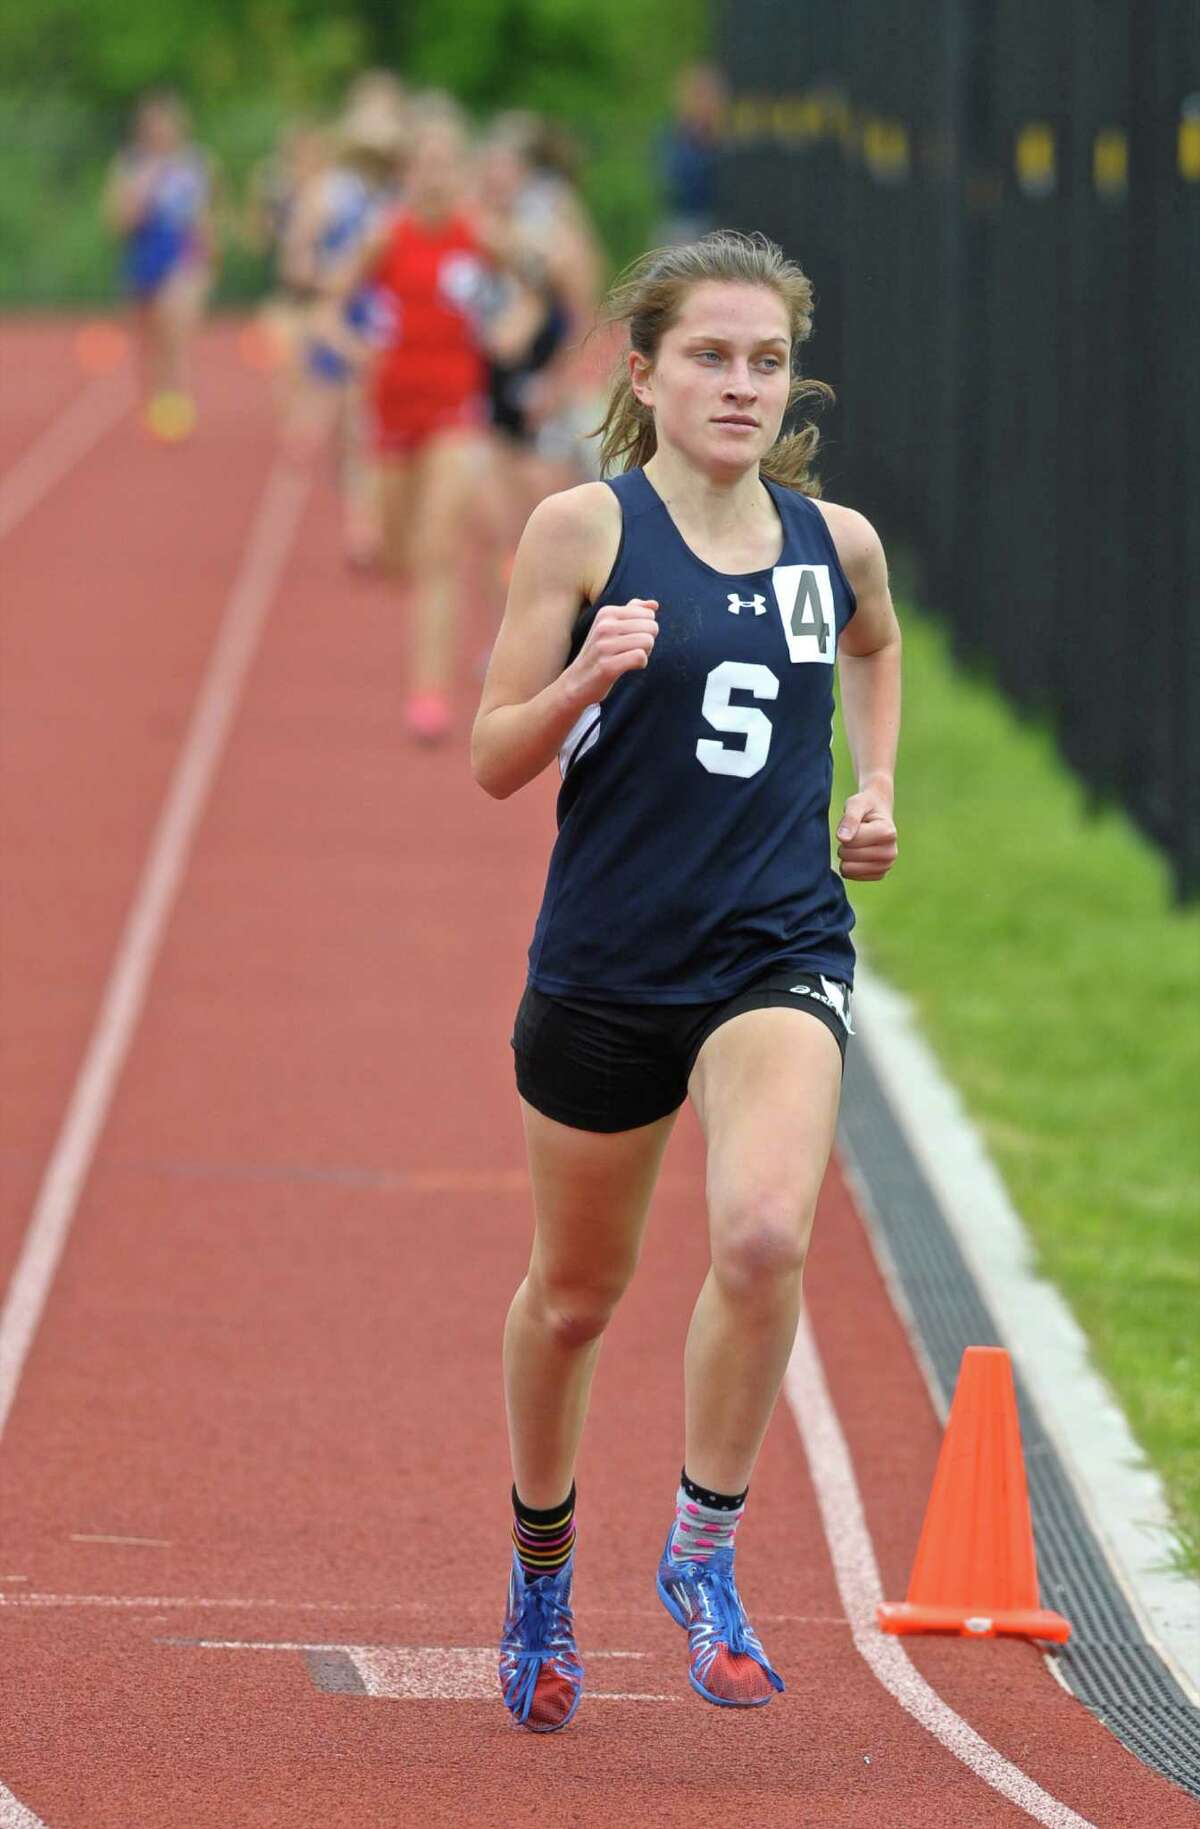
998 202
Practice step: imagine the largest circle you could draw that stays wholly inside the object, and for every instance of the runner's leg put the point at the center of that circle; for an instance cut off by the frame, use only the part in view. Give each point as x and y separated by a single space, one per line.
395 482
766 1086
180 306
448 468
591 1195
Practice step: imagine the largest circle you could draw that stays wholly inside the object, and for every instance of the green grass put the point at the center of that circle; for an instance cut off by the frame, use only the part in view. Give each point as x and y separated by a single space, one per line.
1060 987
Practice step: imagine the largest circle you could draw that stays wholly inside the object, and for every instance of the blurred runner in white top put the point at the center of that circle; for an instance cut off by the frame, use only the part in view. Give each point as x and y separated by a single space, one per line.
335 215
277 183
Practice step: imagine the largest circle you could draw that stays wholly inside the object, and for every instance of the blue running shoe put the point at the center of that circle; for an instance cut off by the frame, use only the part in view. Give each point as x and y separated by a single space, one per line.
541 1676
728 1665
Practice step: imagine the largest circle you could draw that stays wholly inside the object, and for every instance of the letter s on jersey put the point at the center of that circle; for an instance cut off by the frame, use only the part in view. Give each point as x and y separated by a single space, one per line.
744 720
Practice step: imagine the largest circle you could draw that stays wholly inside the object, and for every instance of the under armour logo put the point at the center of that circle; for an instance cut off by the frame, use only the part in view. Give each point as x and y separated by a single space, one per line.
738 604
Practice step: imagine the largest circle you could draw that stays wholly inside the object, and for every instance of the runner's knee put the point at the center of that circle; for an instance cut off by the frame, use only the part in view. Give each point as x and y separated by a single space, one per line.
759 1245
575 1314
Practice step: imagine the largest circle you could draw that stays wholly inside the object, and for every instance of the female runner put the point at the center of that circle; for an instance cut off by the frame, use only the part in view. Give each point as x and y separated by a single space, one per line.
159 201
670 636
431 266
278 184
546 305
339 208
555 257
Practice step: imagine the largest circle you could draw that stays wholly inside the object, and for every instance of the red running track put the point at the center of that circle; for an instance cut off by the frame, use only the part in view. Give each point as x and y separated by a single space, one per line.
254 1475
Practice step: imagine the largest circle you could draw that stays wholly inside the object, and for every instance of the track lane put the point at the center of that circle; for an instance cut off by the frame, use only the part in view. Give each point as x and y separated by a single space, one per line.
39 378
151 908
106 630
75 432
272 1347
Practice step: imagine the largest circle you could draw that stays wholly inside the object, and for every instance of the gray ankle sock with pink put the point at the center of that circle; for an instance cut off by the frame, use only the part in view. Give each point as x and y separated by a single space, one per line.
705 1521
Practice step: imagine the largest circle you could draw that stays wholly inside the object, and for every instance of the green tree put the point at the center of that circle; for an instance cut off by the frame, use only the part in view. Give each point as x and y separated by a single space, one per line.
69 72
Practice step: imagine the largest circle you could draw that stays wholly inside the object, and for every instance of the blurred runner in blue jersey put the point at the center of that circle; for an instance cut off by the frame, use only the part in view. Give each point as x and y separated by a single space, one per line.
158 200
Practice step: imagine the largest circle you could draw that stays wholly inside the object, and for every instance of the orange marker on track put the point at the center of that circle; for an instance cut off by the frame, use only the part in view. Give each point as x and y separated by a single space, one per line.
976 1568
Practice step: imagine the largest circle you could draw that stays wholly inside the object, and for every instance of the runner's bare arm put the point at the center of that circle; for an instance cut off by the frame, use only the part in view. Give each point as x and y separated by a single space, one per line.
869 672
338 284
531 697
124 199
298 256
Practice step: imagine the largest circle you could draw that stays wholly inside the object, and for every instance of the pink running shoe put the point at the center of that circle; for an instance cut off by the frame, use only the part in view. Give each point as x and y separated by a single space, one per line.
427 715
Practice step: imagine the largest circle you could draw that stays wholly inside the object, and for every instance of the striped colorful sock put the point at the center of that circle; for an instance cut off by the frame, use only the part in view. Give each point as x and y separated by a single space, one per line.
543 1540
704 1520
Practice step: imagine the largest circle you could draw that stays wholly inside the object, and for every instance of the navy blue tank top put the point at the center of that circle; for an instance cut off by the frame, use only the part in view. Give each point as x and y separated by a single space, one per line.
693 849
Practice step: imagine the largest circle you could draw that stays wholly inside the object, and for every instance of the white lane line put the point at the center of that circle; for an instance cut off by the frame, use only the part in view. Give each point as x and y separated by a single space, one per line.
62 444
137 951
16 1815
417 1651
428 1673
861 1591
431 1673
156 1543
160 1603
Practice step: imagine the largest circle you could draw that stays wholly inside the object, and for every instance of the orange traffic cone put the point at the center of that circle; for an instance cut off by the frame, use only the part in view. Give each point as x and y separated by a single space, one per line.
976 1571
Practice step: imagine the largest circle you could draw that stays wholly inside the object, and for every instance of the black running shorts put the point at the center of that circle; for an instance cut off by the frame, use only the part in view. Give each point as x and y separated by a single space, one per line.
615 1066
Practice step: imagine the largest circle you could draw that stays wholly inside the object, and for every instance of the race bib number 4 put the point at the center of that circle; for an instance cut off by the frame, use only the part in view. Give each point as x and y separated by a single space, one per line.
805 598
